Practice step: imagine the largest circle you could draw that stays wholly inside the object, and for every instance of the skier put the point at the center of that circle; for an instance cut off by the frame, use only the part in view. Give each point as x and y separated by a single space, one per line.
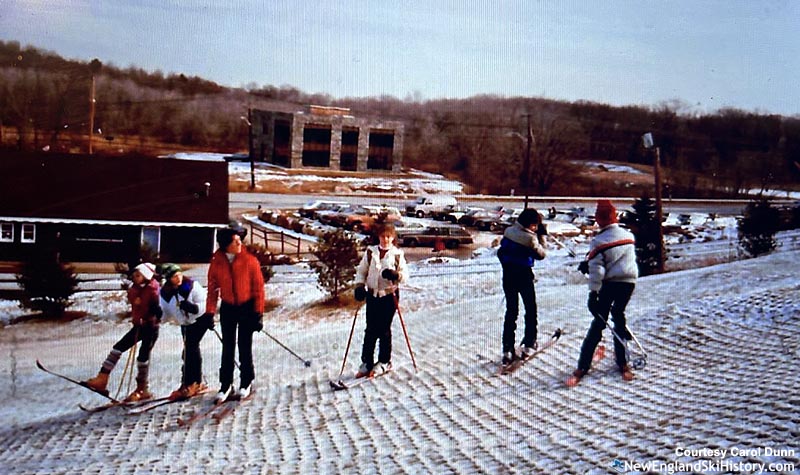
612 273
234 277
146 315
523 243
181 298
378 275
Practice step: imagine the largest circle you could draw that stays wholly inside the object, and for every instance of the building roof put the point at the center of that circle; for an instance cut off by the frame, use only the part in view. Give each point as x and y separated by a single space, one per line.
127 189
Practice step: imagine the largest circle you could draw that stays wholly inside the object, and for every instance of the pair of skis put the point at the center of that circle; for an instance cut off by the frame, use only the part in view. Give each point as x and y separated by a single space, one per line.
518 363
342 384
216 411
137 407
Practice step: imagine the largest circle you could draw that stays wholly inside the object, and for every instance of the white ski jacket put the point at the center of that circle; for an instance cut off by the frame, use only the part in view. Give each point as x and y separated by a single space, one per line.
172 309
371 266
612 257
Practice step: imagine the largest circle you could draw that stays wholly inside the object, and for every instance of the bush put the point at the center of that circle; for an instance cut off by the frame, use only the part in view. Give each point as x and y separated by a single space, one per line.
265 260
337 255
47 284
757 228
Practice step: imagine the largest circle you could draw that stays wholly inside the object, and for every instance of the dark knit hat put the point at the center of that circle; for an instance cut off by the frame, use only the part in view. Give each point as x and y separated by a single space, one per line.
527 217
169 270
605 213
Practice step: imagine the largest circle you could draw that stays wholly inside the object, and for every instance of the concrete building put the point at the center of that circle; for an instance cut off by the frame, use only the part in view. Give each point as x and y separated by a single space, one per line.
325 137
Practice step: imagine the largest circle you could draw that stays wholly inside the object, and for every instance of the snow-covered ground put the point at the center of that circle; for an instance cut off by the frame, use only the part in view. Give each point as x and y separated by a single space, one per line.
722 344
723 351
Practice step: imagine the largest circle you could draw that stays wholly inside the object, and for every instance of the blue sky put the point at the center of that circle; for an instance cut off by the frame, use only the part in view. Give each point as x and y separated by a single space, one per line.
704 54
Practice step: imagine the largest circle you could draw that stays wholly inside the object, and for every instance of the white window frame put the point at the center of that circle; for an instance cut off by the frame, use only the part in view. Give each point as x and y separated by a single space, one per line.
4 227
27 227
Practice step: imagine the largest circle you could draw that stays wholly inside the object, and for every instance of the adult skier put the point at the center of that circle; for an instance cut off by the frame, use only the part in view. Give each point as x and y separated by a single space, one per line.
235 278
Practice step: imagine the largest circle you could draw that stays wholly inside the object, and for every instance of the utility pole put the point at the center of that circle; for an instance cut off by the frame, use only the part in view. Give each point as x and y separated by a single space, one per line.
250 150
94 68
526 168
647 139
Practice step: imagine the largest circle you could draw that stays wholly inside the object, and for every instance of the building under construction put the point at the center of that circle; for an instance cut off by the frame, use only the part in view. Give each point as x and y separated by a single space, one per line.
325 137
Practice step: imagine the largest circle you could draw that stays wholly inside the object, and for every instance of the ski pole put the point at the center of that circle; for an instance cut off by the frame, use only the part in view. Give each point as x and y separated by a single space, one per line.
640 361
214 329
349 339
128 365
405 332
307 363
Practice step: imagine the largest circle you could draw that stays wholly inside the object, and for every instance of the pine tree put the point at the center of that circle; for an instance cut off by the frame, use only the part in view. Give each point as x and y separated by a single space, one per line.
47 284
757 228
642 222
337 257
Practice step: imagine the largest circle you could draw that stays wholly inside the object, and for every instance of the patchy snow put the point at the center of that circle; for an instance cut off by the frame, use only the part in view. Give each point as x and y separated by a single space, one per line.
613 167
722 344
411 182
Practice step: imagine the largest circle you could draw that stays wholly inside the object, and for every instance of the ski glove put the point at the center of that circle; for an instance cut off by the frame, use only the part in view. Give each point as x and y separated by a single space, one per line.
206 321
257 324
360 293
390 274
541 229
189 307
593 303
583 267
155 309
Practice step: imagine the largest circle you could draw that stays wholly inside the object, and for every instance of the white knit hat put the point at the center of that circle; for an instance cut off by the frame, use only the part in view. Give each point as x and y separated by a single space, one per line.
146 269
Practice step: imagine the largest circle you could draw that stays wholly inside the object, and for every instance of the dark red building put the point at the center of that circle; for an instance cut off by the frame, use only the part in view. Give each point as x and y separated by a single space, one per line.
105 209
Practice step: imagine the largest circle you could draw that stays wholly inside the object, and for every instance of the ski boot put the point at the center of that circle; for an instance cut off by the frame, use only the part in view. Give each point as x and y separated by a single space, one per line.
364 371
99 383
139 394
575 378
627 373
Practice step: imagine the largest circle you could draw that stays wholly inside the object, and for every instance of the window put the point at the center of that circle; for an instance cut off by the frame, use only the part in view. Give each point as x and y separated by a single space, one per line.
151 238
28 233
6 232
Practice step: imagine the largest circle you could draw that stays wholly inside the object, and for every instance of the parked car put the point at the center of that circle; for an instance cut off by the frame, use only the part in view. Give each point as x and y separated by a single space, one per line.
364 218
456 212
426 204
451 236
310 209
500 222
335 215
472 216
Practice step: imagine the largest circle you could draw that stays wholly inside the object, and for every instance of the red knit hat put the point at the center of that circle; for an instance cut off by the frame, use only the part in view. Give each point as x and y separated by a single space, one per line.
606 213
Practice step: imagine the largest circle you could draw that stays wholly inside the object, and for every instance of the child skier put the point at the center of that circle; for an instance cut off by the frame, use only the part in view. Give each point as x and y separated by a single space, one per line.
378 275
181 300
145 315
523 243
612 277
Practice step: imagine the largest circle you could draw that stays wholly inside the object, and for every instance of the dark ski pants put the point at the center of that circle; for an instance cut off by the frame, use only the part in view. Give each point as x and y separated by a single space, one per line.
192 371
518 282
233 318
612 298
380 314
147 334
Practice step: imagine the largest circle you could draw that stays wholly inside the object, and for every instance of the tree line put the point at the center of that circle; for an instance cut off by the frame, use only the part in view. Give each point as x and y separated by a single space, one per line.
481 140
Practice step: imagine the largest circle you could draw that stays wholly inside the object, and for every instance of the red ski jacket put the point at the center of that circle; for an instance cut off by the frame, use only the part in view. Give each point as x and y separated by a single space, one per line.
235 282
144 303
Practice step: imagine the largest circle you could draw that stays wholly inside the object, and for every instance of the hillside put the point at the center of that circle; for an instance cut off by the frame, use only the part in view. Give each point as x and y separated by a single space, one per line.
722 349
